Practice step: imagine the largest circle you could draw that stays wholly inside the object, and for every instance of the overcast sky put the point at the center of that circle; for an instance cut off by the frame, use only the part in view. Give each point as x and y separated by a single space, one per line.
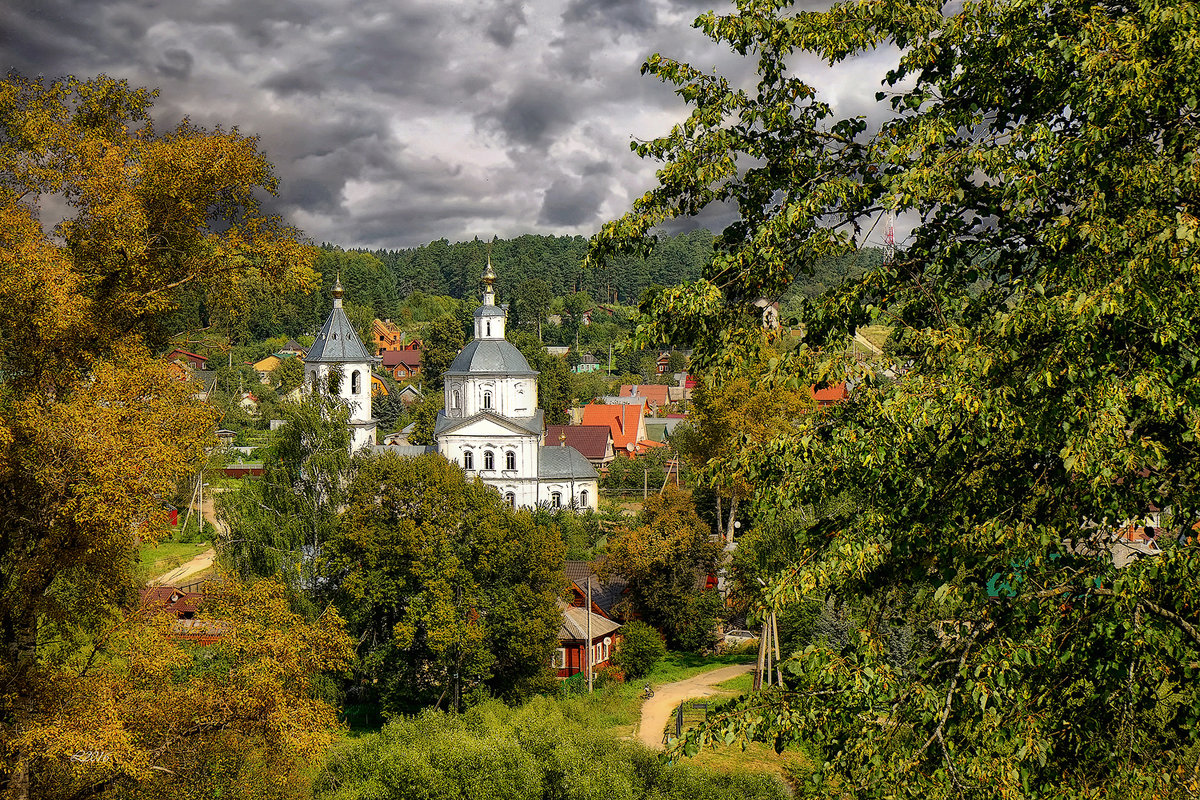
395 122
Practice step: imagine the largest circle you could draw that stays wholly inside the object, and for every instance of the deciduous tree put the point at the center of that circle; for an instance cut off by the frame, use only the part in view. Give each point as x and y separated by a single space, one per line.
94 432
1045 306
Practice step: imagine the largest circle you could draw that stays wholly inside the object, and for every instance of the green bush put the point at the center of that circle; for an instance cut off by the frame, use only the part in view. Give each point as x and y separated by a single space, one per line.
533 752
641 648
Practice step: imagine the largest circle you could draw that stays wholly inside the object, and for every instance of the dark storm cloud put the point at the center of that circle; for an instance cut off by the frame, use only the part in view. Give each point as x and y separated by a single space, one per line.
616 15
570 202
396 122
175 63
503 22
532 114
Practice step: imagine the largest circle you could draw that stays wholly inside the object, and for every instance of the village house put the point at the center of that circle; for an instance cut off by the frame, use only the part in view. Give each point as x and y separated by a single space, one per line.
594 442
402 365
588 363
575 646
626 423
194 362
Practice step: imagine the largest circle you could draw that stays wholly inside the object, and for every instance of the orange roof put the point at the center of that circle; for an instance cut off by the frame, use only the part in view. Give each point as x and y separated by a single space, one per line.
624 420
656 393
830 394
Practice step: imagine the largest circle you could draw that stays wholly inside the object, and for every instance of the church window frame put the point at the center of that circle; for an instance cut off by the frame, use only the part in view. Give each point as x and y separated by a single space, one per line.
510 460
487 399
468 460
454 401
583 499
511 499
355 382
489 460
556 499
488 328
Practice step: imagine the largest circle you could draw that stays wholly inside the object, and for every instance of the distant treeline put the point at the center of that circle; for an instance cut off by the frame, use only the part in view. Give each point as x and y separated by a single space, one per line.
419 284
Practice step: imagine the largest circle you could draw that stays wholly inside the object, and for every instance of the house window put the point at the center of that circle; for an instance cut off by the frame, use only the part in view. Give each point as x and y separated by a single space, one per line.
487 399
355 382
607 648
510 460
489 460
583 499
560 658
511 499
468 460
555 499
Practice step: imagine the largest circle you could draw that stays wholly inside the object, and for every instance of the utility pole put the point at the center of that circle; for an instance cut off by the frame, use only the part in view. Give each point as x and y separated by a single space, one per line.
589 627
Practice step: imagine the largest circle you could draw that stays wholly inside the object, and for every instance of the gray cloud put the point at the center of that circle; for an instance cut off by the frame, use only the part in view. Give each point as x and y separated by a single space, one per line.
395 123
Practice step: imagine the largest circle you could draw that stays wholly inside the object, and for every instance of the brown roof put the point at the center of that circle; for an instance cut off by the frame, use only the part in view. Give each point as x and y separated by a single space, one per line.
575 625
590 440
621 420
409 358
830 394
657 394
605 594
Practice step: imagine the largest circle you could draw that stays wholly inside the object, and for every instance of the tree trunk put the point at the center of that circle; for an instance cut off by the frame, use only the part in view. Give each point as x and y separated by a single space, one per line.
733 504
775 639
758 666
720 519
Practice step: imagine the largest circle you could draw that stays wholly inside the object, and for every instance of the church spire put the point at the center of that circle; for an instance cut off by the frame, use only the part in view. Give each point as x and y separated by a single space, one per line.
337 291
489 280
489 320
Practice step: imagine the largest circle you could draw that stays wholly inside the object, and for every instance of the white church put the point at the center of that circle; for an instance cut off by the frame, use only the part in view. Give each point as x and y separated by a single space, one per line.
490 426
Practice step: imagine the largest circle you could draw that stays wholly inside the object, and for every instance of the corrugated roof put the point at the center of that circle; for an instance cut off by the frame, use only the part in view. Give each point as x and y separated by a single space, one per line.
575 624
489 355
561 462
605 594
591 440
337 341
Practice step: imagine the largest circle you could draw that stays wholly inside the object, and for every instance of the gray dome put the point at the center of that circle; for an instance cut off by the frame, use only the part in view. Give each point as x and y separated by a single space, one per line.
489 311
490 355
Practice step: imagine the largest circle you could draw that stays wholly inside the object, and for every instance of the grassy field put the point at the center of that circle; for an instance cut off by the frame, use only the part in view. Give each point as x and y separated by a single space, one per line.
754 757
876 334
165 556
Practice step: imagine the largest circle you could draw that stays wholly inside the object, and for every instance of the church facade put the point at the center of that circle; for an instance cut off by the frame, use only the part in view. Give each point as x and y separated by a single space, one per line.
490 426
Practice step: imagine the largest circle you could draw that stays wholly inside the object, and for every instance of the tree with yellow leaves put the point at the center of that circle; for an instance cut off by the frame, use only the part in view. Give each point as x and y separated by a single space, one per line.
93 430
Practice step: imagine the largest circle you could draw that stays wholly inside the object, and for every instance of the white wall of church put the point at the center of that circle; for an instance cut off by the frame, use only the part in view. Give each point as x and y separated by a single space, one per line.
355 390
583 492
508 397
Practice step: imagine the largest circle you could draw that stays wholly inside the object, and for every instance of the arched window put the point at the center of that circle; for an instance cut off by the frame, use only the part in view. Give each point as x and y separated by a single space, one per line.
489 328
607 648
510 460
454 399
511 499
487 399
489 460
316 382
555 500
468 460
583 503
355 382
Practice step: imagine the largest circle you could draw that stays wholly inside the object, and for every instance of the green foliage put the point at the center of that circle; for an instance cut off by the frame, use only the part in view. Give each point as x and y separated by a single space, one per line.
443 339
446 589
281 524
423 415
666 559
641 648
554 378
1044 307
632 474
534 752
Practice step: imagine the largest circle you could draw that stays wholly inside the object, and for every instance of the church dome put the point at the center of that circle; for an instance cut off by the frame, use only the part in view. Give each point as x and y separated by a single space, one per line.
490 356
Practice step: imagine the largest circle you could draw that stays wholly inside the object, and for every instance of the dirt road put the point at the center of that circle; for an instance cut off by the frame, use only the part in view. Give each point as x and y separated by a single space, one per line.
658 709
200 562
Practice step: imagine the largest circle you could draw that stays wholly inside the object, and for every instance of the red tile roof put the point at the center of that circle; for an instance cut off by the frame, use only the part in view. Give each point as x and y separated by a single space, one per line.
590 440
622 420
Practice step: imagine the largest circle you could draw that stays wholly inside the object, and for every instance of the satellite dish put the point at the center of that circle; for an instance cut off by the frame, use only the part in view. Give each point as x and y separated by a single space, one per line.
629 447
